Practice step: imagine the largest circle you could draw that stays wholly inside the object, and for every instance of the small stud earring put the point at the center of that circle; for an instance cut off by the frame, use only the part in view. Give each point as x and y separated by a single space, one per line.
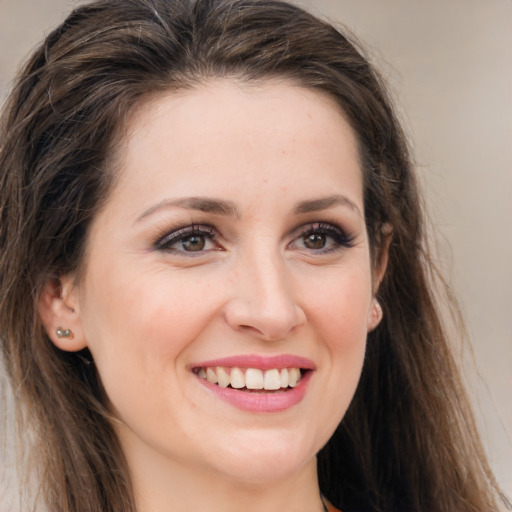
64 333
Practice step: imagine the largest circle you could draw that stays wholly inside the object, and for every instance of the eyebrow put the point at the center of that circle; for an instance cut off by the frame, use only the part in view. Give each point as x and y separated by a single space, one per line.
202 204
229 209
323 203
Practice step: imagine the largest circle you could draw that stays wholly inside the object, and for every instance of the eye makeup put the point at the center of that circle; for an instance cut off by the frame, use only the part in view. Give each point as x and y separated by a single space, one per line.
322 237
195 238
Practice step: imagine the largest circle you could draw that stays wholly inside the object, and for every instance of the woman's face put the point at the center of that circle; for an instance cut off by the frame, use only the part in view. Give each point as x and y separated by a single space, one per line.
232 248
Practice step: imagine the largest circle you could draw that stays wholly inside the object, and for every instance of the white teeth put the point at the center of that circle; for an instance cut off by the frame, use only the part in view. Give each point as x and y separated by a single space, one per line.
284 378
211 376
293 377
222 377
271 380
253 378
237 378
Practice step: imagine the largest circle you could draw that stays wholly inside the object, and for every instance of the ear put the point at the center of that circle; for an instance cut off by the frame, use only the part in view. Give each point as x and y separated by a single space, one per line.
381 260
58 309
375 313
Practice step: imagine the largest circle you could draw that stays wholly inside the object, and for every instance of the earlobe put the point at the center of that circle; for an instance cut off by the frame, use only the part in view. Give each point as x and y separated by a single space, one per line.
374 315
59 312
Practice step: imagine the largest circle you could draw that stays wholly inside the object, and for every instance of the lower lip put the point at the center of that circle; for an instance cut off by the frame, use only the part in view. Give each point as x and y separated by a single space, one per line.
261 402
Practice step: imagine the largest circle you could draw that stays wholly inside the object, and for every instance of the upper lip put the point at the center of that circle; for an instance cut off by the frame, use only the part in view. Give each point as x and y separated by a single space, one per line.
259 361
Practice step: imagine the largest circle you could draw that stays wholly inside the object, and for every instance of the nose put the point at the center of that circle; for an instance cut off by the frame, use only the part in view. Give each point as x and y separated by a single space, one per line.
263 302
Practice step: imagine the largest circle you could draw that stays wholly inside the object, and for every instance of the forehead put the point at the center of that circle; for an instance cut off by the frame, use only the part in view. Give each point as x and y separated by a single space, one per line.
230 133
236 114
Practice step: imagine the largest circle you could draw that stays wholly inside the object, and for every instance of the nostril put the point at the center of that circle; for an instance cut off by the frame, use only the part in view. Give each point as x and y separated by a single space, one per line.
249 329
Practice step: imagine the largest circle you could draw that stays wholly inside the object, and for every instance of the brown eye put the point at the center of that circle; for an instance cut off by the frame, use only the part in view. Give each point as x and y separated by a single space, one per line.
315 240
189 240
193 243
321 238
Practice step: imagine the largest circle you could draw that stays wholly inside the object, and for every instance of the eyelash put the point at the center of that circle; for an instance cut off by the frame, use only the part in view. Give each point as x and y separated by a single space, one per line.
339 236
342 239
166 242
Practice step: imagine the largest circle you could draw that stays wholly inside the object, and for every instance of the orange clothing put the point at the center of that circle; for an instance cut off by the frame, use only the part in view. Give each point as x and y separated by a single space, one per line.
331 508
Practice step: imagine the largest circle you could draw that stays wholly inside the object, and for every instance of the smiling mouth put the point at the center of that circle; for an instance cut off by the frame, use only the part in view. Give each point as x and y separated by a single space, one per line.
252 379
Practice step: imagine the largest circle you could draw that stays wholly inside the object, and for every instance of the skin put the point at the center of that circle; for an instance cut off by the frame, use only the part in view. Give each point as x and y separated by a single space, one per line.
148 313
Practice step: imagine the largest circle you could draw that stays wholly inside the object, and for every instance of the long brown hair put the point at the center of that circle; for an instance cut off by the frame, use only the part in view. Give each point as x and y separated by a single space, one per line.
408 441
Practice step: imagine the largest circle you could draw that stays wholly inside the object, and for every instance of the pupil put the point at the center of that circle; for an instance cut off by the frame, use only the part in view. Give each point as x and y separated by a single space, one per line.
193 243
315 241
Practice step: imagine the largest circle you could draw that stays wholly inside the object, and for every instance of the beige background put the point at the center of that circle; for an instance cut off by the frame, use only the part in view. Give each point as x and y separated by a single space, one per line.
450 66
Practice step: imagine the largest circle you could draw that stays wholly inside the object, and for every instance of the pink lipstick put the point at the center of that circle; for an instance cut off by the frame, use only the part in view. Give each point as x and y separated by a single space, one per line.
257 383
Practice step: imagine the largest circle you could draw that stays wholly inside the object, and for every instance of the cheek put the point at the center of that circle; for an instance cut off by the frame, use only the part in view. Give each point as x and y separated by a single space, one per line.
340 318
137 328
171 312
340 308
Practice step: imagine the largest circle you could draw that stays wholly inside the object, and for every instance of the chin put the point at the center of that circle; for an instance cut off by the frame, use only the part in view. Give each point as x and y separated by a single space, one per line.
262 458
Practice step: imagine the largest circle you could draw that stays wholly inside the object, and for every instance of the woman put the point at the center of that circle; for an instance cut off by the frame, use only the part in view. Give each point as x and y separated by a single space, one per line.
216 293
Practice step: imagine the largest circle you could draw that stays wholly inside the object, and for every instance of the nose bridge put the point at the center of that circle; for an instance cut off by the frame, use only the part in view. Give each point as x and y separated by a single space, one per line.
264 301
269 278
